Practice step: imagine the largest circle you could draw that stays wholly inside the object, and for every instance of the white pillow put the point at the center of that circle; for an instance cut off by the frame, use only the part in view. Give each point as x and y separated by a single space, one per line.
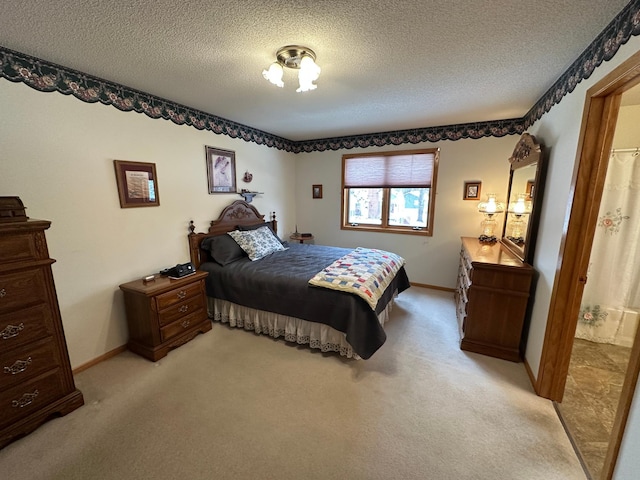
257 243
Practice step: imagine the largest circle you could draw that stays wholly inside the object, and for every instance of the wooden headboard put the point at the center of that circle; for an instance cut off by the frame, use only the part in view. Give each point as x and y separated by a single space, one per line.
238 213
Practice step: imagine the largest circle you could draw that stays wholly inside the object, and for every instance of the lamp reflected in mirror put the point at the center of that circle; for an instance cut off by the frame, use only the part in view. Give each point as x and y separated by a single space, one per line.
519 208
490 209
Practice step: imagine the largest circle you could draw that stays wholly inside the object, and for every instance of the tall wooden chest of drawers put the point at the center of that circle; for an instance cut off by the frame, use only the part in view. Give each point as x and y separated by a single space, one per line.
36 382
165 313
491 295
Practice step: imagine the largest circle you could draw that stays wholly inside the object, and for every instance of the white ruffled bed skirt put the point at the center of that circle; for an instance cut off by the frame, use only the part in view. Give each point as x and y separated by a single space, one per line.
316 335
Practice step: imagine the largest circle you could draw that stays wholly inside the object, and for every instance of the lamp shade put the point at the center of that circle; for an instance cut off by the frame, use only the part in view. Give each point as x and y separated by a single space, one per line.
491 205
309 73
520 206
274 74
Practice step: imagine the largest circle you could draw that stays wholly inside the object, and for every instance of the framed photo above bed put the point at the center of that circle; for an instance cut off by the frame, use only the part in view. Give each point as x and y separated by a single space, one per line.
221 170
137 184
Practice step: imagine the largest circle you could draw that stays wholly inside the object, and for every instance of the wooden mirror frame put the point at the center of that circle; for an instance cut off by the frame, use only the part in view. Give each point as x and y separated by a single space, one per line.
528 152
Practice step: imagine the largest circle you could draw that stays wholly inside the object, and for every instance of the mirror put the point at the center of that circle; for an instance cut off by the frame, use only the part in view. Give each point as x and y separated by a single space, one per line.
524 196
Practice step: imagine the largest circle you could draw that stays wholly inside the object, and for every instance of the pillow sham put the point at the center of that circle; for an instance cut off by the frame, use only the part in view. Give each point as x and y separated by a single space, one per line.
223 249
257 243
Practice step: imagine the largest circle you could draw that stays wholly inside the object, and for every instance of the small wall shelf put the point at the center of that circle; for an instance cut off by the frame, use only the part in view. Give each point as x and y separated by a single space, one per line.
248 196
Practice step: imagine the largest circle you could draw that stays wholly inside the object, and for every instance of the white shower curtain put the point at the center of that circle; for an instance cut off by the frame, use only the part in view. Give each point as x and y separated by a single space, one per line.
614 267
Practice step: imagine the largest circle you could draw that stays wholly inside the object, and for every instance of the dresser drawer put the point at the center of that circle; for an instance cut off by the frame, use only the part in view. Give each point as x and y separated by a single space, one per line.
179 310
24 288
19 248
30 396
18 365
182 325
178 295
24 326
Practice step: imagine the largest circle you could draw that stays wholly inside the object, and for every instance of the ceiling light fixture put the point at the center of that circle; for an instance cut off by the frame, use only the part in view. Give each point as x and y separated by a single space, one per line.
296 57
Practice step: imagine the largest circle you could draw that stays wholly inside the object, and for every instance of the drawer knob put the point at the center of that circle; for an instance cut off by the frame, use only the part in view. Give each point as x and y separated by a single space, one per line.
186 323
18 367
182 294
3 292
26 399
183 308
11 331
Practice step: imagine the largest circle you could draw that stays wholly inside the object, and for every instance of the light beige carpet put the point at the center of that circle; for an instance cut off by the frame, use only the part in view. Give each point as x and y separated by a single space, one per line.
235 405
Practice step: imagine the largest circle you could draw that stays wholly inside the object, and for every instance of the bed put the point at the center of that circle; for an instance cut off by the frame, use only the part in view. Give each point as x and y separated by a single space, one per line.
273 296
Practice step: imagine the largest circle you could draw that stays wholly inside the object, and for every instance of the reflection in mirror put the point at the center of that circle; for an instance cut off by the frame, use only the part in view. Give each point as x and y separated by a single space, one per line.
524 195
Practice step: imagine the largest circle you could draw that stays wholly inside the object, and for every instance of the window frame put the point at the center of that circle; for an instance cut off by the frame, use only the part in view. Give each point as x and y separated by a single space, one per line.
384 227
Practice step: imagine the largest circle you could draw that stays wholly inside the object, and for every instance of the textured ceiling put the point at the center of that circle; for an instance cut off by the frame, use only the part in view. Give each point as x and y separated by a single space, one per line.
386 65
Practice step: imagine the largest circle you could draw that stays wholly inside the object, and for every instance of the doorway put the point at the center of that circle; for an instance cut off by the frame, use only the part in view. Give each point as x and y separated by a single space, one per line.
594 147
610 305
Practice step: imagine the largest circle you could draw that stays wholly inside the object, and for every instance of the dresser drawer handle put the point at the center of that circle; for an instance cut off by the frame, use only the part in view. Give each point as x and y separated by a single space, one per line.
26 399
183 308
3 293
18 367
11 331
182 294
186 323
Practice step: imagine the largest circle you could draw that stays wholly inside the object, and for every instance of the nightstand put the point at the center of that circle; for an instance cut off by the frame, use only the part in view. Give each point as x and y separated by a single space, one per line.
165 313
300 238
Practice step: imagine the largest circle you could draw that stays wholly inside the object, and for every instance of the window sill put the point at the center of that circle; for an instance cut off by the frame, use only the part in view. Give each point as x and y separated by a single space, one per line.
399 230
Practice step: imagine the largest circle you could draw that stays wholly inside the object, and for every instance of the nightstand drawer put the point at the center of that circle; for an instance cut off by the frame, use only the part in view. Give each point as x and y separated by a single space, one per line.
30 396
23 288
179 310
182 325
177 295
16 366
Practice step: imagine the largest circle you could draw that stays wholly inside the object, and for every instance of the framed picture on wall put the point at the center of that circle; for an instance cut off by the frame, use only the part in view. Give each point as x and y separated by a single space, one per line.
472 190
530 189
221 170
137 184
316 191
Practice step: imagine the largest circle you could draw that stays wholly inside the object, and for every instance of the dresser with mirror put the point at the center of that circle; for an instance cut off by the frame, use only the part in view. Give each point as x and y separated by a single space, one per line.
494 279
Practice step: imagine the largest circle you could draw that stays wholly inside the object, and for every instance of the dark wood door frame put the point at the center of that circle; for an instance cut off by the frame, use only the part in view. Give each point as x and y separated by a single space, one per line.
594 147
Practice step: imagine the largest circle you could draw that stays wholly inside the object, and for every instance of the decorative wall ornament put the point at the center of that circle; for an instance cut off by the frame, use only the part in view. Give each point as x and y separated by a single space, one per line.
49 77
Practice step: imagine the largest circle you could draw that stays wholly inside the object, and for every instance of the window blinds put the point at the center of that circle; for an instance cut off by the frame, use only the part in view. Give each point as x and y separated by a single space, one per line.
400 171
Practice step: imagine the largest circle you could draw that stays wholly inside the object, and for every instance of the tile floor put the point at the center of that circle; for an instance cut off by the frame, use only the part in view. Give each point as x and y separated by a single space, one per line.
594 383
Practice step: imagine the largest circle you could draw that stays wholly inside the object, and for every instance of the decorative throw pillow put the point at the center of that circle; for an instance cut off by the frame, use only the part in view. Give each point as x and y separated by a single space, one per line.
259 225
257 243
223 249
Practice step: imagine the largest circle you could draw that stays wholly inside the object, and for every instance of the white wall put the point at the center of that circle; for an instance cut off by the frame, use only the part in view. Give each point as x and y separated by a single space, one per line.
627 133
57 156
430 260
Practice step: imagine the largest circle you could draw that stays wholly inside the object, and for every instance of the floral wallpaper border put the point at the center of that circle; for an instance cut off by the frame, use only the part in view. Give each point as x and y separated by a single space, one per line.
49 77
603 48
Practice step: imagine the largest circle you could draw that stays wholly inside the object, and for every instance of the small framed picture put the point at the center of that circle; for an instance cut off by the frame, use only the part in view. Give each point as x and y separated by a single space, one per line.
137 184
221 170
317 191
472 190
530 189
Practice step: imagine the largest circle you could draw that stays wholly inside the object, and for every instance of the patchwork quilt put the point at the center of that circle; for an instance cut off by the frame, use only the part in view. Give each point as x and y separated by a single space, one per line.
365 272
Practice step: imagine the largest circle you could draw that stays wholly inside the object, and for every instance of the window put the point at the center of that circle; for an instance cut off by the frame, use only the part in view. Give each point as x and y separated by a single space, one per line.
390 191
